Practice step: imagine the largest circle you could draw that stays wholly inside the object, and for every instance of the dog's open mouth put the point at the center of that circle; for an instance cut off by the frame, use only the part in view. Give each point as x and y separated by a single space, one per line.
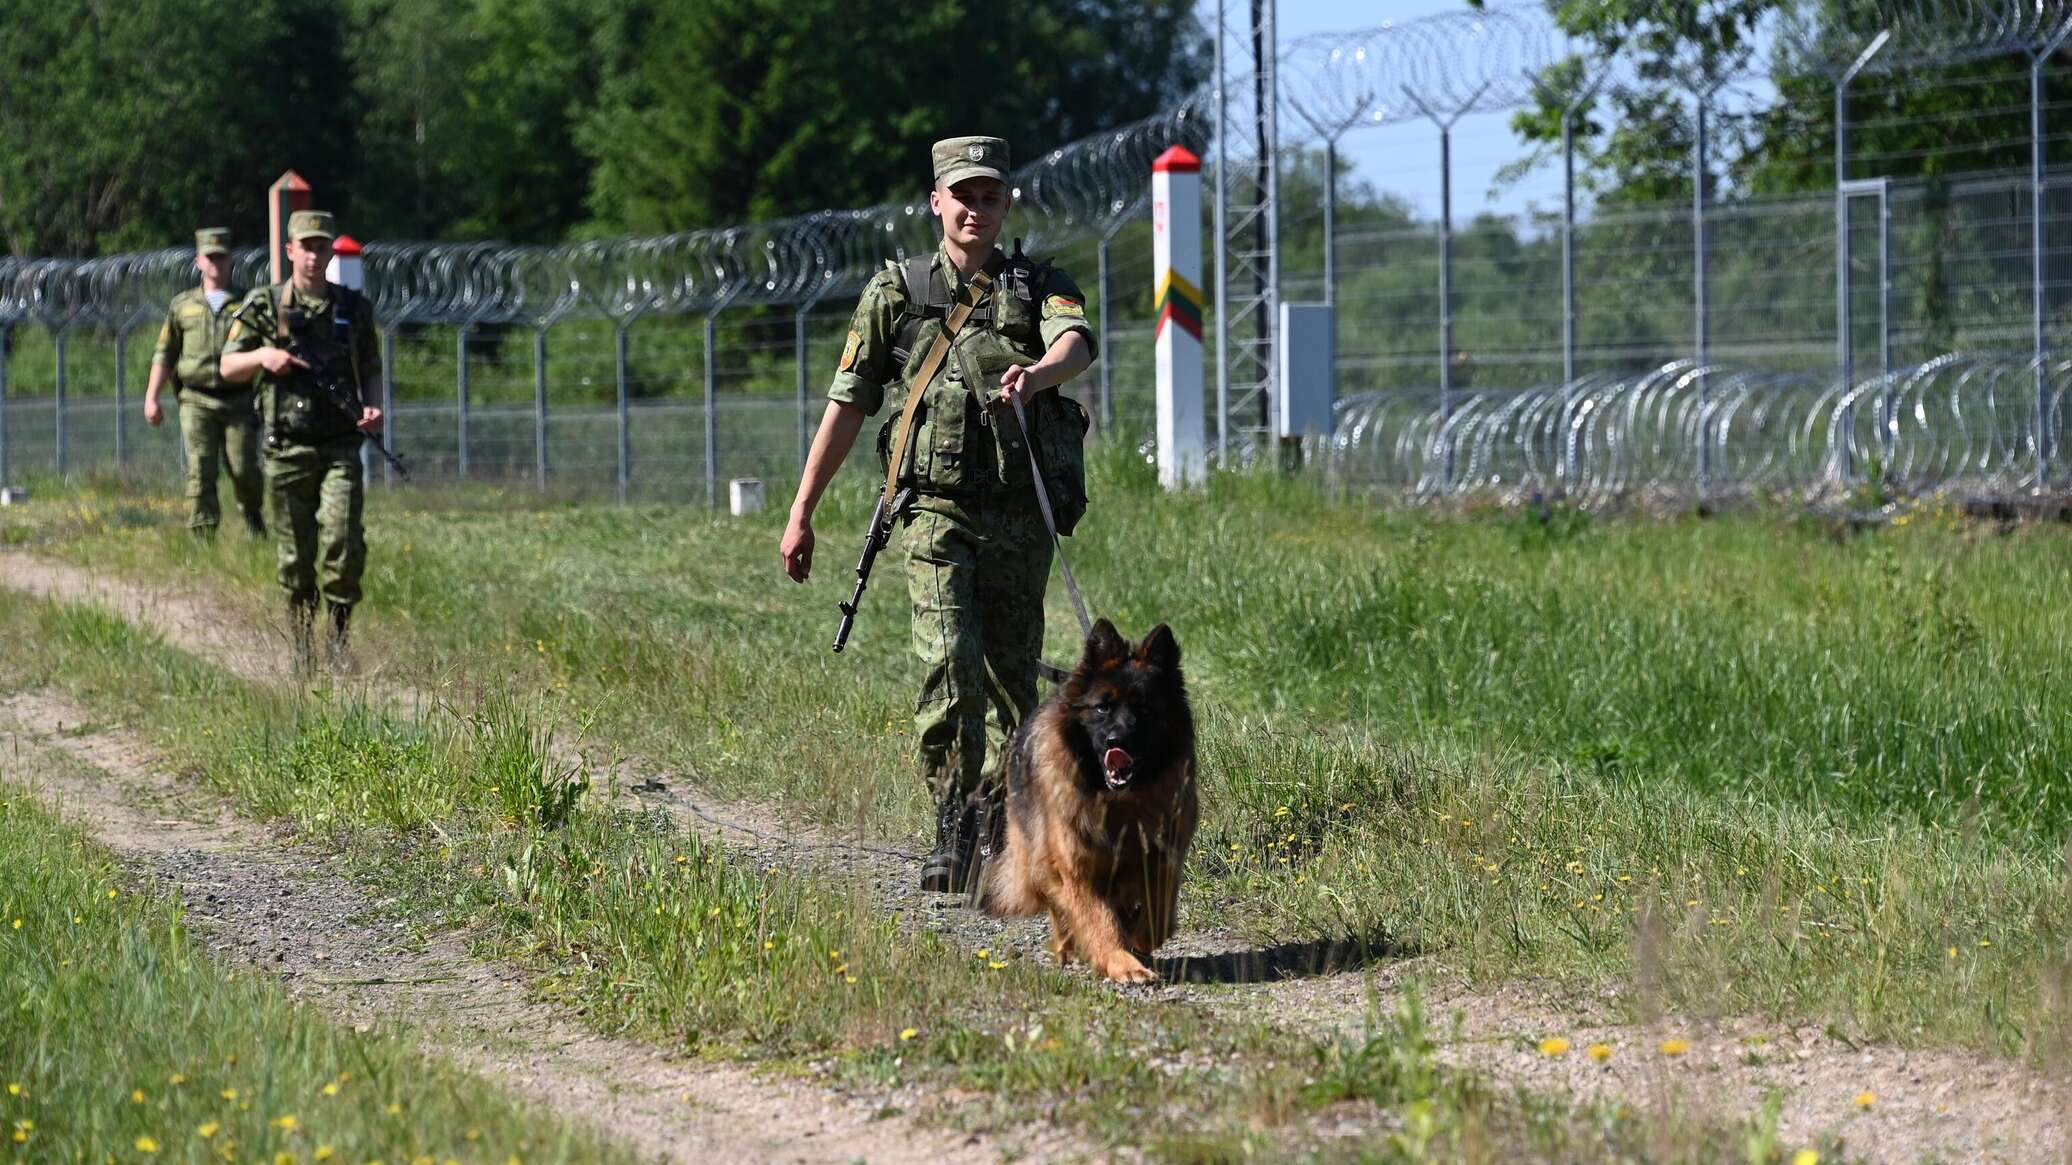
1116 763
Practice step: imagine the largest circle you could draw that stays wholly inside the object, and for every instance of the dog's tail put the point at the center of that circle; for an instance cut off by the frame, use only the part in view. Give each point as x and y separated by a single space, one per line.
1006 892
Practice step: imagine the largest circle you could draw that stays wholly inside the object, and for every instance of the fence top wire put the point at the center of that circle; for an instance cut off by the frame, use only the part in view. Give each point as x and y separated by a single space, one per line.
1441 66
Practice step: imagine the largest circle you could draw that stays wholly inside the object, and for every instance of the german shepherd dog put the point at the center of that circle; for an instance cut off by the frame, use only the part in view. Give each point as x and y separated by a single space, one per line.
1101 806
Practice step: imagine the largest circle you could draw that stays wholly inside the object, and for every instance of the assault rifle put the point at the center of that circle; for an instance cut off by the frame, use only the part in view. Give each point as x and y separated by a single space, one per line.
334 389
875 539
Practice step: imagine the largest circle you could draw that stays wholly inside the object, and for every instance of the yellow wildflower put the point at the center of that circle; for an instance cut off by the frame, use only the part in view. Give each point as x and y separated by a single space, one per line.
1866 1098
147 1144
206 1129
1555 1046
1675 1047
286 1122
908 1033
1806 1157
1599 1052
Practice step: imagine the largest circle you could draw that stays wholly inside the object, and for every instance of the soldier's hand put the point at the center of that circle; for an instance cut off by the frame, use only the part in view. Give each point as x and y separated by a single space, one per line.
154 413
279 360
370 419
797 549
1023 381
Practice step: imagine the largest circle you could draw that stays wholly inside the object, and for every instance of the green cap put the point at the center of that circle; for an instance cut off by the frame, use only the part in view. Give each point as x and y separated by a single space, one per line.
311 224
212 241
959 158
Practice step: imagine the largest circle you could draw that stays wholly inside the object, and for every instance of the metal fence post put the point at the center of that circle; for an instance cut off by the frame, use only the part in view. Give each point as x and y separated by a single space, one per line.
62 337
798 344
2039 278
712 405
539 406
388 403
1106 362
460 402
624 469
1222 247
1845 353
6 345
1699 304
122 401
1331 224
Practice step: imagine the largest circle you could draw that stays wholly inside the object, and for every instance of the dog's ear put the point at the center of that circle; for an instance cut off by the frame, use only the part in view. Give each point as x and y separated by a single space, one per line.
1104 646
1159 648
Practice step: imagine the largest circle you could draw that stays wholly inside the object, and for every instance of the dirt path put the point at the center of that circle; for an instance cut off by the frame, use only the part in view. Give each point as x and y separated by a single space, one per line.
274 906
1934 1105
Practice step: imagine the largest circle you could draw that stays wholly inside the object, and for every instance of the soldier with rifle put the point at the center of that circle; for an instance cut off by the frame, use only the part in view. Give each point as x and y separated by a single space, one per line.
963 333
311 345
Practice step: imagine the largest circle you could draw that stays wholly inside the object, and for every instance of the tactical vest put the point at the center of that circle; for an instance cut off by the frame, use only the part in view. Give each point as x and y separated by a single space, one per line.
961 448
298 410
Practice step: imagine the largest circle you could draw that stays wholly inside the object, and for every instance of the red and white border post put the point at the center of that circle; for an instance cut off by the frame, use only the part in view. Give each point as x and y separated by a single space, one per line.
288 194
1176 263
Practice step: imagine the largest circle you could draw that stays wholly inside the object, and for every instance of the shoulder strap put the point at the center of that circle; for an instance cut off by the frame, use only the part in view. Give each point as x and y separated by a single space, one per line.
974 294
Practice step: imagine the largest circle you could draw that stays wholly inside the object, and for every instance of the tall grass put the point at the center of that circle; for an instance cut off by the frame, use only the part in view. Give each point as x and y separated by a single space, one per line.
125 1041
1828 758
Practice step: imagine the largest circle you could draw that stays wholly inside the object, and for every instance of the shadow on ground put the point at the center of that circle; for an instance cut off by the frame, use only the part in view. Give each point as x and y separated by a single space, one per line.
1302 959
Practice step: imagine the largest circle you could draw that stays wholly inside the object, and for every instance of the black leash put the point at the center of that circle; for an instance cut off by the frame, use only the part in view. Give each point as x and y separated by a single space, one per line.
1086 625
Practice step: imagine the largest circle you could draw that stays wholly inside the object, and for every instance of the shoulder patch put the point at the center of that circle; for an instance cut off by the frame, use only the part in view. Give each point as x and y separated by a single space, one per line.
849 351
1064 305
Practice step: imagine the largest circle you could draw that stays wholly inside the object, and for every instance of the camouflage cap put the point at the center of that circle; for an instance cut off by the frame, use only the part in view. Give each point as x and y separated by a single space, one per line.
976 157
312 224
212 241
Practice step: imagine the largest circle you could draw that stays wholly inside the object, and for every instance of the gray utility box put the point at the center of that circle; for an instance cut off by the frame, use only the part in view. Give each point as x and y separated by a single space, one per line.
1308 381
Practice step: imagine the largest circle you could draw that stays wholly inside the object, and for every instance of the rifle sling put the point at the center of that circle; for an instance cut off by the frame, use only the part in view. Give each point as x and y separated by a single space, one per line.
974 294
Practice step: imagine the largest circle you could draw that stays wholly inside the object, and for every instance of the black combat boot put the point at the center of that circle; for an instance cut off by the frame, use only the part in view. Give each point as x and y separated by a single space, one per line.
948 870
302 617
336 653
255 525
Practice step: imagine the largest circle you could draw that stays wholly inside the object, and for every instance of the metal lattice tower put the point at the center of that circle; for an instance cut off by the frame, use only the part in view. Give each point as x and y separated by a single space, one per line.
1247 214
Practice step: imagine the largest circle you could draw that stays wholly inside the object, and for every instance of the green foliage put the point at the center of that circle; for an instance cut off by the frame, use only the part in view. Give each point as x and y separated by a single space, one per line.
746 109
1634 142
128 127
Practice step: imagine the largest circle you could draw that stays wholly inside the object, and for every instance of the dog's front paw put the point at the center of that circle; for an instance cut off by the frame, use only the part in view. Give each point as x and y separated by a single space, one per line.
1124 967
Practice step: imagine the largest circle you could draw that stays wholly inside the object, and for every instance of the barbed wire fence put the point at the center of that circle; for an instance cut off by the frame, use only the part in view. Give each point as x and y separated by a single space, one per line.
1534 354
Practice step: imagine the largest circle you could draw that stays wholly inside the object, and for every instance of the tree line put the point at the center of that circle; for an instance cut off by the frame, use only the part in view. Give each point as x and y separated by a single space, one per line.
125 126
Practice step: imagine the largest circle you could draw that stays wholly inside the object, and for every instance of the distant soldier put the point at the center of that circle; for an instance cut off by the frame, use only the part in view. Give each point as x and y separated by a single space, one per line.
216 419
315 410
977 553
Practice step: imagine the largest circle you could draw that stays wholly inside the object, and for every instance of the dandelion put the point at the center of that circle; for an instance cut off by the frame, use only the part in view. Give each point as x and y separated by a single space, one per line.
474 1134
111 893
286 1123
1951 953
1806 1157
176 1079
1866 1098
323 1153
907 1033
1675 1047
147 1144
206 1129
1985 942
1599 1052
395 1110
1556 1046
17 924
331 1089
230 1094
284 1158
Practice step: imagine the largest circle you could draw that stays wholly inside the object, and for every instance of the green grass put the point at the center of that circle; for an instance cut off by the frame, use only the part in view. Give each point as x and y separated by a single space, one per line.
651 933
125 1041
1809 773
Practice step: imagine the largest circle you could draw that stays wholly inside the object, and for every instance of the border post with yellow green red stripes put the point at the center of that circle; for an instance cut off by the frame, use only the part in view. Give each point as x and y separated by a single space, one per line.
1176 264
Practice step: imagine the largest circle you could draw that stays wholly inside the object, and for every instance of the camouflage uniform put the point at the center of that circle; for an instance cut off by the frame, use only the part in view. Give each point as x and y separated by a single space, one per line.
313 468
217 421
977 554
